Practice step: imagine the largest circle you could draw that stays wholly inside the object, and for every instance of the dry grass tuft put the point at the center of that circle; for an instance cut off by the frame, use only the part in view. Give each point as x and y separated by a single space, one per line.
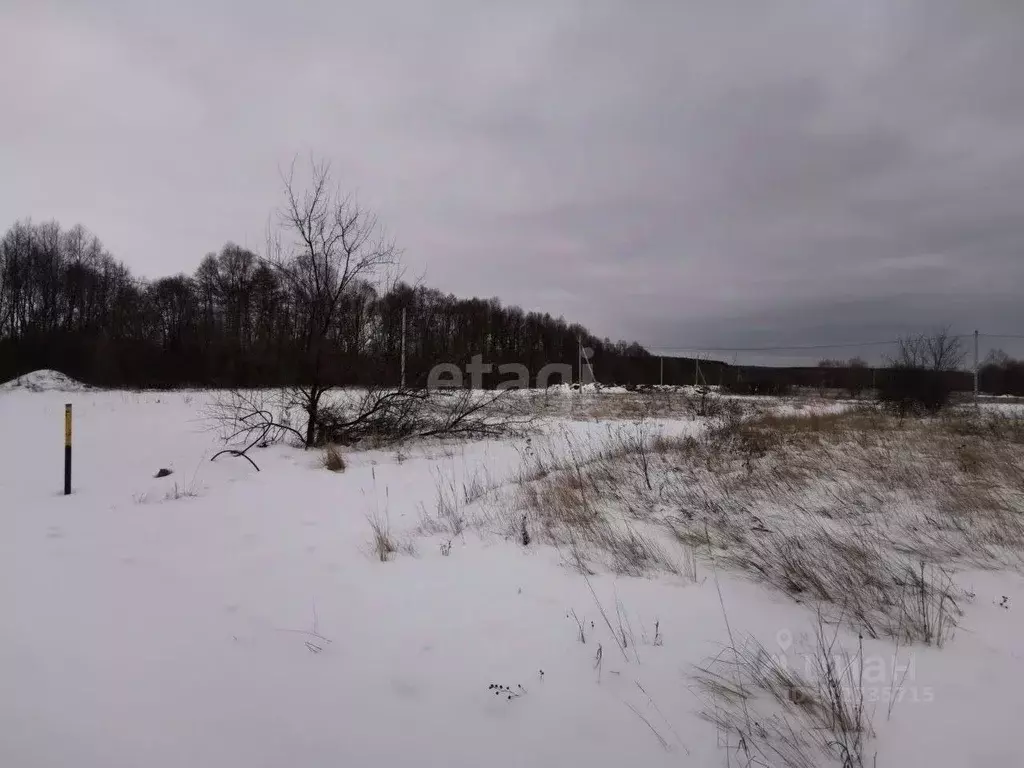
333 458
450 518
773 713
183 491
384 546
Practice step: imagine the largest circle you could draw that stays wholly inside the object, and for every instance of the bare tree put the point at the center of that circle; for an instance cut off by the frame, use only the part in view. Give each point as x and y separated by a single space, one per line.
325 243
386 416
937 351
247 419
919 375
853 375
945 351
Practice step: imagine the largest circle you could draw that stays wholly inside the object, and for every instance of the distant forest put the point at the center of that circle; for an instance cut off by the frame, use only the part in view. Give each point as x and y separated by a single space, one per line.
68 304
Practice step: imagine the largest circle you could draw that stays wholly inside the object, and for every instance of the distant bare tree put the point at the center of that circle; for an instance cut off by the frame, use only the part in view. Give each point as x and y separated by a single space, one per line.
937 351
325 243
998 357
1000 374
858 377
918 375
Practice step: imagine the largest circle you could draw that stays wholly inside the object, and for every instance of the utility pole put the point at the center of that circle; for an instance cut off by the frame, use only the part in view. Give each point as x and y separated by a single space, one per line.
403 347
975 370
579 362
586 352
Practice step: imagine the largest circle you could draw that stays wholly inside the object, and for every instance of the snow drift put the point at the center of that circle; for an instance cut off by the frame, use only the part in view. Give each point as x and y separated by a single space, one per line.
44 381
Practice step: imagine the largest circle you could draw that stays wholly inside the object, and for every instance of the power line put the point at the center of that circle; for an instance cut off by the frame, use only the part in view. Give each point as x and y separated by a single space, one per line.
775 349
800 347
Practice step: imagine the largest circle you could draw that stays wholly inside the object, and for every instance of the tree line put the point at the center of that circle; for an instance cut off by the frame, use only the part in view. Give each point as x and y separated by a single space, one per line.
1000 374
242 320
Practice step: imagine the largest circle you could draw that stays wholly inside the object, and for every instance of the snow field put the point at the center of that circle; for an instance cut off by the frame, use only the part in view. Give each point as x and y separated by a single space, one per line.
222 616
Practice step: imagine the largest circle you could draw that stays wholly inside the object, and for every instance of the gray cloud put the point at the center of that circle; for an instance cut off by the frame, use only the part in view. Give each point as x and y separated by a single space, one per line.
683 173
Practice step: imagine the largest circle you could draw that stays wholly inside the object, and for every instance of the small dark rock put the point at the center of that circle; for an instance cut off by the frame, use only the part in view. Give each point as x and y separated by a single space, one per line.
163 472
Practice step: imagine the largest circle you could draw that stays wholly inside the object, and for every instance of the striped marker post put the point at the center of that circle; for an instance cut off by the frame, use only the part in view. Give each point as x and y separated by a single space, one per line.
67 449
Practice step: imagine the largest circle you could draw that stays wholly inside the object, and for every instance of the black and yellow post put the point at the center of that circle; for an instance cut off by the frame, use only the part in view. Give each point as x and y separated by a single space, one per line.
67 449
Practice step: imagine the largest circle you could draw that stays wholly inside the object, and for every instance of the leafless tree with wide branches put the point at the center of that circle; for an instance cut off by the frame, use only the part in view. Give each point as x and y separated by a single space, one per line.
324 245
939 350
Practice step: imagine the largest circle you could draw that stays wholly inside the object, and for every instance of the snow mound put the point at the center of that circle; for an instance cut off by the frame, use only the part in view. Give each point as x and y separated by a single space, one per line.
44 381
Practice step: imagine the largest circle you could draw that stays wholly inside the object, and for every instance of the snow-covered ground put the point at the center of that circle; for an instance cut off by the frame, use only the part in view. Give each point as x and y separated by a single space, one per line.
223 617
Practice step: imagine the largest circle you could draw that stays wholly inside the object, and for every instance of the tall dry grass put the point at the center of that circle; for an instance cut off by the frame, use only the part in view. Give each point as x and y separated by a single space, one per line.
856 511
772 712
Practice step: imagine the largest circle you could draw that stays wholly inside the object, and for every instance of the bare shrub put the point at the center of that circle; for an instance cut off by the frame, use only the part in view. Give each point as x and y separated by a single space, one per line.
376 417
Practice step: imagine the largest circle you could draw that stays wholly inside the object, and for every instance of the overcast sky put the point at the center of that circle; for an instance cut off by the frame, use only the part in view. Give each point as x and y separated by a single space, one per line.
704 173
